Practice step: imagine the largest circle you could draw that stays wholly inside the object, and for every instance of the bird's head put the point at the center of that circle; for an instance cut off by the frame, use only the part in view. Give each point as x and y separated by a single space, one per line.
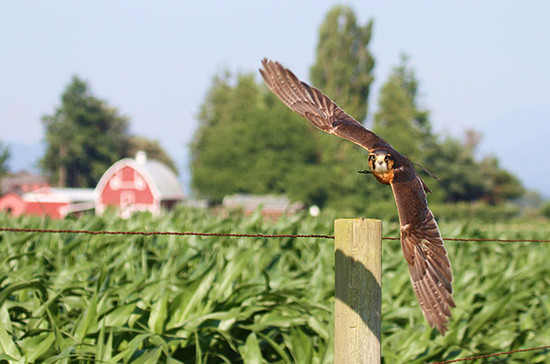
381 161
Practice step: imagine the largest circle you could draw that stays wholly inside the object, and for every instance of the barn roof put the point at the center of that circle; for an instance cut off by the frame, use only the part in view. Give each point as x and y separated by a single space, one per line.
162 180
21 182
165 179
58 194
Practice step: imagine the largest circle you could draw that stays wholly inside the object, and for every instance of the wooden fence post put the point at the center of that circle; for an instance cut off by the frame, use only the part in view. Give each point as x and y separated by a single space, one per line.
358 290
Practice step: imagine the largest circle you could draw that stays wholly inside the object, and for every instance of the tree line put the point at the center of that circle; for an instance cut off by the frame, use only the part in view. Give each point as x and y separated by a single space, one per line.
249 142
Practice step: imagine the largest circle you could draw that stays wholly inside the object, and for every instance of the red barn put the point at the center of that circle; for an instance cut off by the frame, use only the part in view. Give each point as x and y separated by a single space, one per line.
137 185
14 187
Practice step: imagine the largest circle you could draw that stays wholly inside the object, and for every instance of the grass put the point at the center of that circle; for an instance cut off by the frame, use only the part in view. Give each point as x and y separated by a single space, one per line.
73 298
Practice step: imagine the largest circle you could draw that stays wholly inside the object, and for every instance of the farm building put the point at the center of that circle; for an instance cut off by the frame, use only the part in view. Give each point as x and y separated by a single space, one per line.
13 187
22 182
12 203
268 205
57 202
137 184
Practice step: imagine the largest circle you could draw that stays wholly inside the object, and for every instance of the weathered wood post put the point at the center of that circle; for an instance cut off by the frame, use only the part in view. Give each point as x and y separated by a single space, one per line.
358 290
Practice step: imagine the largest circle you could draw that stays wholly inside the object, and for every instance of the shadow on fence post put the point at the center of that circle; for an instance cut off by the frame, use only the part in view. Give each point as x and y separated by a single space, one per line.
358 279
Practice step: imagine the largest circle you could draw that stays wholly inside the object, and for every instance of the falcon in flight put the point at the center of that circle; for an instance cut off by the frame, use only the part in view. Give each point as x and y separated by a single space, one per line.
421 241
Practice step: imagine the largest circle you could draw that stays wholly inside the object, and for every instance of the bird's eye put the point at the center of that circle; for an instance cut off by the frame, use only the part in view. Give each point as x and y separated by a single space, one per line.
371 157
387 157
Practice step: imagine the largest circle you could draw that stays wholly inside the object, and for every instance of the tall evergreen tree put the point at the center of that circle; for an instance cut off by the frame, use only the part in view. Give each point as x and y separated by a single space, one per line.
84 135
343 64
399 118
343 70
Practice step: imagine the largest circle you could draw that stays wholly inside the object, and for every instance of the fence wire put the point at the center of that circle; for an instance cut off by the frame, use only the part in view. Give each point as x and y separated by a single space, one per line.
241 235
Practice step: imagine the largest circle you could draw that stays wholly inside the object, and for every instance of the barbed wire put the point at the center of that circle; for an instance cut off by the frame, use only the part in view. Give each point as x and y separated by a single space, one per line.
185 233
242 235
192 233
492 355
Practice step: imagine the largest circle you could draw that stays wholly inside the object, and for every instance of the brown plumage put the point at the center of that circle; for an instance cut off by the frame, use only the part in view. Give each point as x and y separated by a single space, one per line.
421 241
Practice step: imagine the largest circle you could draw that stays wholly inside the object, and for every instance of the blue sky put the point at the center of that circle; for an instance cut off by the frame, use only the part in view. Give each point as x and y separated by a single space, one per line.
482 65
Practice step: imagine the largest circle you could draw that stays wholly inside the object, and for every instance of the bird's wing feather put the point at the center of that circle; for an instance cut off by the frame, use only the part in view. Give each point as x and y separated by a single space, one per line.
316 107
423 248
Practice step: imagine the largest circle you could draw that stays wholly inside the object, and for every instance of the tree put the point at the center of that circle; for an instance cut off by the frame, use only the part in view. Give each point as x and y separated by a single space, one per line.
4 157
500 185
246 142
455 166
399 118
249 142
405 125
343 70
343 65
152 148
545 210
84 135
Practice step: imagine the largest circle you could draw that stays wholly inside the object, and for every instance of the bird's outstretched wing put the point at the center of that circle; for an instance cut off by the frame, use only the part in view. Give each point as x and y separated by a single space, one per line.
421 241
423 248
316 107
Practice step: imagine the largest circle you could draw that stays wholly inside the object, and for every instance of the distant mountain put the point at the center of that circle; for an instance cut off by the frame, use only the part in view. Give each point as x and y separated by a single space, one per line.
25 156
521 142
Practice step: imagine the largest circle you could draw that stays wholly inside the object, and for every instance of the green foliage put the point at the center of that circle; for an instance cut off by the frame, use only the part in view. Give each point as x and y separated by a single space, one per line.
459 177
545 209
74 297
165 298
247 142
343 65
500 184
84 135
343 70
474 211
399 119
462 177
4 158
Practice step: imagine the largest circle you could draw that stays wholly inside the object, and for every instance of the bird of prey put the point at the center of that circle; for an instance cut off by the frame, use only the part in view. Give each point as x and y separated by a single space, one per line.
429 265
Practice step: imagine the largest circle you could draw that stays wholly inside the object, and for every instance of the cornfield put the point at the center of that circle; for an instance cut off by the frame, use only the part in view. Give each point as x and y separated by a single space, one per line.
77 298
